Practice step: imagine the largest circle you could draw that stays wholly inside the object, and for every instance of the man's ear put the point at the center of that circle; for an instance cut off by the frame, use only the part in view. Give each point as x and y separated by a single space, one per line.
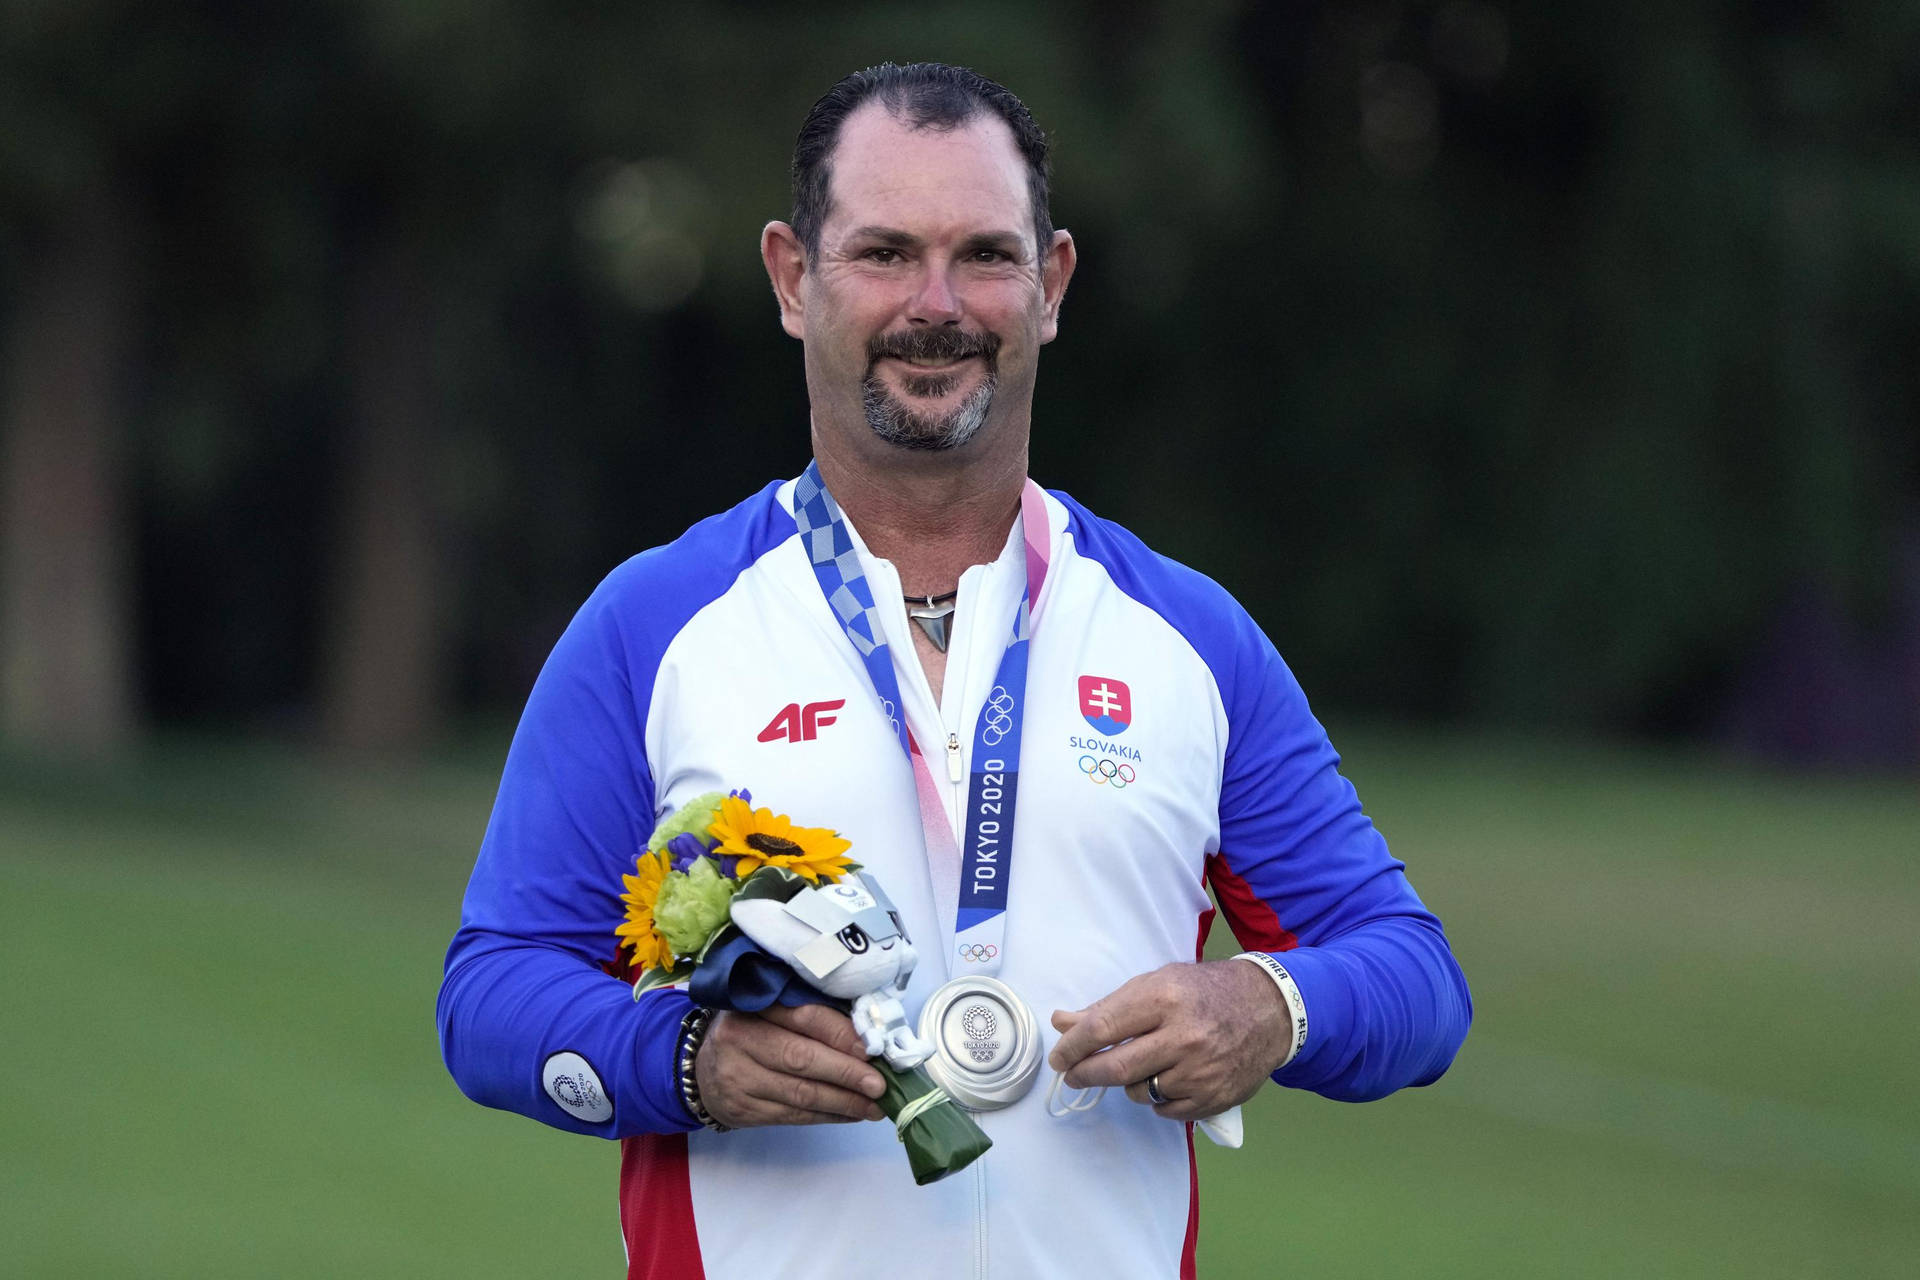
1055 270
786 261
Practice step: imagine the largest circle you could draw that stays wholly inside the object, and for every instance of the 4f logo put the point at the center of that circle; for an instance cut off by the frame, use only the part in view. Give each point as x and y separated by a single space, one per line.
1107 704
797 723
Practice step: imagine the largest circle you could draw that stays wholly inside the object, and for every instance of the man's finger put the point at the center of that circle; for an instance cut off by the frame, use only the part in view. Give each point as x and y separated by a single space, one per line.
810 1044
1179 1105
789 1053
1171 1088
1103 1024
818 1022
1189 1109
796 1100
1124 1065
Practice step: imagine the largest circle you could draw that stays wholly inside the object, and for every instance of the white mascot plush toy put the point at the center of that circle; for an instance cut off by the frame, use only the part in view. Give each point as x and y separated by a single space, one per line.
846 940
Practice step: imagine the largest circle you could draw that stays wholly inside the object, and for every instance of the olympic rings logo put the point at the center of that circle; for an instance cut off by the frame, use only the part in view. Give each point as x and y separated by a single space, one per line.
1105 773
999 717
978 952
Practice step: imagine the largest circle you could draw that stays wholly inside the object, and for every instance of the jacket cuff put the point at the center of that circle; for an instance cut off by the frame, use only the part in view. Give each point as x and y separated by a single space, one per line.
657 1060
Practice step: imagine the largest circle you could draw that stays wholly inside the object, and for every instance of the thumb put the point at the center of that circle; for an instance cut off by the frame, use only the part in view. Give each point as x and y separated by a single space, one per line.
1064 1019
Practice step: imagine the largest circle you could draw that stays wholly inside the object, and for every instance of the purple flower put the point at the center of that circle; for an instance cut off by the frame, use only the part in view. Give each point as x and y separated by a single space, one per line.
741 793
685 847
729 866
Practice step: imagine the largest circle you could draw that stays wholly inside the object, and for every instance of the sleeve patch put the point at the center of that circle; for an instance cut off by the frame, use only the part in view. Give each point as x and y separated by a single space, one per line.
575 1088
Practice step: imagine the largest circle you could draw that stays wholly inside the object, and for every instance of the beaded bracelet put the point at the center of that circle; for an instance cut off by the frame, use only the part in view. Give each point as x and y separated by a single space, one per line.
693 1030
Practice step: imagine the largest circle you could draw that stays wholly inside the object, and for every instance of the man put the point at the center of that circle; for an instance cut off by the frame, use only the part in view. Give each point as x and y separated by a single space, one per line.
1159 745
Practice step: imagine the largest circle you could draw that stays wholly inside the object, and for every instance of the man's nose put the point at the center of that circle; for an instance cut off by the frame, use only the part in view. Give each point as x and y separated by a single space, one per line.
935 301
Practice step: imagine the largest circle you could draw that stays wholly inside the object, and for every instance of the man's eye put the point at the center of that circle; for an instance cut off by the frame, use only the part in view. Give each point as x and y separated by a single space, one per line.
883 255
992 255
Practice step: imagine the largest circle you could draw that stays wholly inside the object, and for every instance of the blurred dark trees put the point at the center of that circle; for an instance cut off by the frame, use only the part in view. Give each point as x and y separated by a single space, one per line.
1513 365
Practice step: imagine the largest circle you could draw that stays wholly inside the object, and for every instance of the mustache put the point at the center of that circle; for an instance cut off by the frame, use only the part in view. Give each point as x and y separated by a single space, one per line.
934 344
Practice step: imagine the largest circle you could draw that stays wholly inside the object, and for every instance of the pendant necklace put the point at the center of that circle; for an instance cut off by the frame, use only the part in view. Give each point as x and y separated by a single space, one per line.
934 615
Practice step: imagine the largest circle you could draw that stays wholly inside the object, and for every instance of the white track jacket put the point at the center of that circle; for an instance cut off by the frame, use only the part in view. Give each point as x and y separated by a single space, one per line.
1167 749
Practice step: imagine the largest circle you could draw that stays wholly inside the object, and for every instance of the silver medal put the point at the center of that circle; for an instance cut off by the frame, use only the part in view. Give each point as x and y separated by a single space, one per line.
986 1043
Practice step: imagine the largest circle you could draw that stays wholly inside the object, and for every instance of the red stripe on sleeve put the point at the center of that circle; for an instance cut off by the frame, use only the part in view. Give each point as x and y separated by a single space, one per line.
656 1209
1253 922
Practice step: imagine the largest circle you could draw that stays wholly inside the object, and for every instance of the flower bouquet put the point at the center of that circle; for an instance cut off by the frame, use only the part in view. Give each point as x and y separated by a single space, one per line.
748 909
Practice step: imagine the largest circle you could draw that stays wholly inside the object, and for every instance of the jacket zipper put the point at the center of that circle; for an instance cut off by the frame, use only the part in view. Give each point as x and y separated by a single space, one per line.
957 776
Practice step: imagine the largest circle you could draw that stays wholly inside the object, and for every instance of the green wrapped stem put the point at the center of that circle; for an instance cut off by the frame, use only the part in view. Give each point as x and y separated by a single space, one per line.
942 1138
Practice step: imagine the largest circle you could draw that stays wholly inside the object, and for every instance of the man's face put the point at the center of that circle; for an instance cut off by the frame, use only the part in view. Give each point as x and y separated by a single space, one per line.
926 306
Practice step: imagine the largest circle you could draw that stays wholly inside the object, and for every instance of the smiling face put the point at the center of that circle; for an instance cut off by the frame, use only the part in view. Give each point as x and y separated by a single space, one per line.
925 309
932 367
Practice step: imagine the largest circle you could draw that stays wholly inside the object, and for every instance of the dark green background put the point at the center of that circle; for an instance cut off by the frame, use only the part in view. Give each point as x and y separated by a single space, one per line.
1543 366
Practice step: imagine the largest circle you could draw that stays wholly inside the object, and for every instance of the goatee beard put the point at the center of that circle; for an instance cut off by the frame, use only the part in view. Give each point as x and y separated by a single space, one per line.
897 424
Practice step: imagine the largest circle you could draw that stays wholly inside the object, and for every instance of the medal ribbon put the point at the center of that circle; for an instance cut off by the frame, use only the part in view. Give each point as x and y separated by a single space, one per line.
970 883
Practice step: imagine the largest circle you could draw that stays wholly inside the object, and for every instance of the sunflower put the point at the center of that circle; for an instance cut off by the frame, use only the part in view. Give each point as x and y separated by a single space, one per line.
650 950
763 838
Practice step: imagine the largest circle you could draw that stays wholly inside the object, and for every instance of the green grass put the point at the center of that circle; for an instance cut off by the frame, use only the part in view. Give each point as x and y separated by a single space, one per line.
1698 992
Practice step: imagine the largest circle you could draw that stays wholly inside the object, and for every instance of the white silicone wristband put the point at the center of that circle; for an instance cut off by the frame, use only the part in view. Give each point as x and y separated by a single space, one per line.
1290 992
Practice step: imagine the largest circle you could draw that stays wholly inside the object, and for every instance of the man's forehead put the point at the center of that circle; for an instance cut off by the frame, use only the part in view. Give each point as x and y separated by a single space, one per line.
882 164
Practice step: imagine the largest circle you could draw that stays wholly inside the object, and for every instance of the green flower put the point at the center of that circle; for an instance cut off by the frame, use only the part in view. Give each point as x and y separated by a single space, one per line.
693 906
692 818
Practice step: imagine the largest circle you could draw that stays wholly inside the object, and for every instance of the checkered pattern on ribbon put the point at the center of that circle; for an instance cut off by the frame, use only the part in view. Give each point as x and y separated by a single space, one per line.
835 563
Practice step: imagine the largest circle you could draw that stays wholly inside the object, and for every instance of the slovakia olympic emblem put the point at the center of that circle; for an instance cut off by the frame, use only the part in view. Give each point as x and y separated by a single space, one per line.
978 952
1106 704
1105 773
999 716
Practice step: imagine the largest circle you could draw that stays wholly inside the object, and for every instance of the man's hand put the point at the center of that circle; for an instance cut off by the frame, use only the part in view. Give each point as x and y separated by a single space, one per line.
1212 1032
785 1066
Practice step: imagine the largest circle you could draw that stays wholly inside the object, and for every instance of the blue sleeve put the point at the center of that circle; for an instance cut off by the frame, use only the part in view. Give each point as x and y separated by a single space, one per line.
1301 869
526 976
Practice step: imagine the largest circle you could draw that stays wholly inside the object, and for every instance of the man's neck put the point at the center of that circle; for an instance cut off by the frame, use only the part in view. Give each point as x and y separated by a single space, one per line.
933 516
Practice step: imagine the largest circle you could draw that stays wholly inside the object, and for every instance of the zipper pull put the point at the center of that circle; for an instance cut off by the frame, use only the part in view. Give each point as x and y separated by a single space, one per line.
954 773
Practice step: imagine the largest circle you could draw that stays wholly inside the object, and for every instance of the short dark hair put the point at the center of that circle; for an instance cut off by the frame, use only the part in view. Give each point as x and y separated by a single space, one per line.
924 95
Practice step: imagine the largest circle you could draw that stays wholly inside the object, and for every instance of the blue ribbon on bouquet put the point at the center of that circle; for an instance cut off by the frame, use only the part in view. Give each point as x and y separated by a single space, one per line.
738 974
